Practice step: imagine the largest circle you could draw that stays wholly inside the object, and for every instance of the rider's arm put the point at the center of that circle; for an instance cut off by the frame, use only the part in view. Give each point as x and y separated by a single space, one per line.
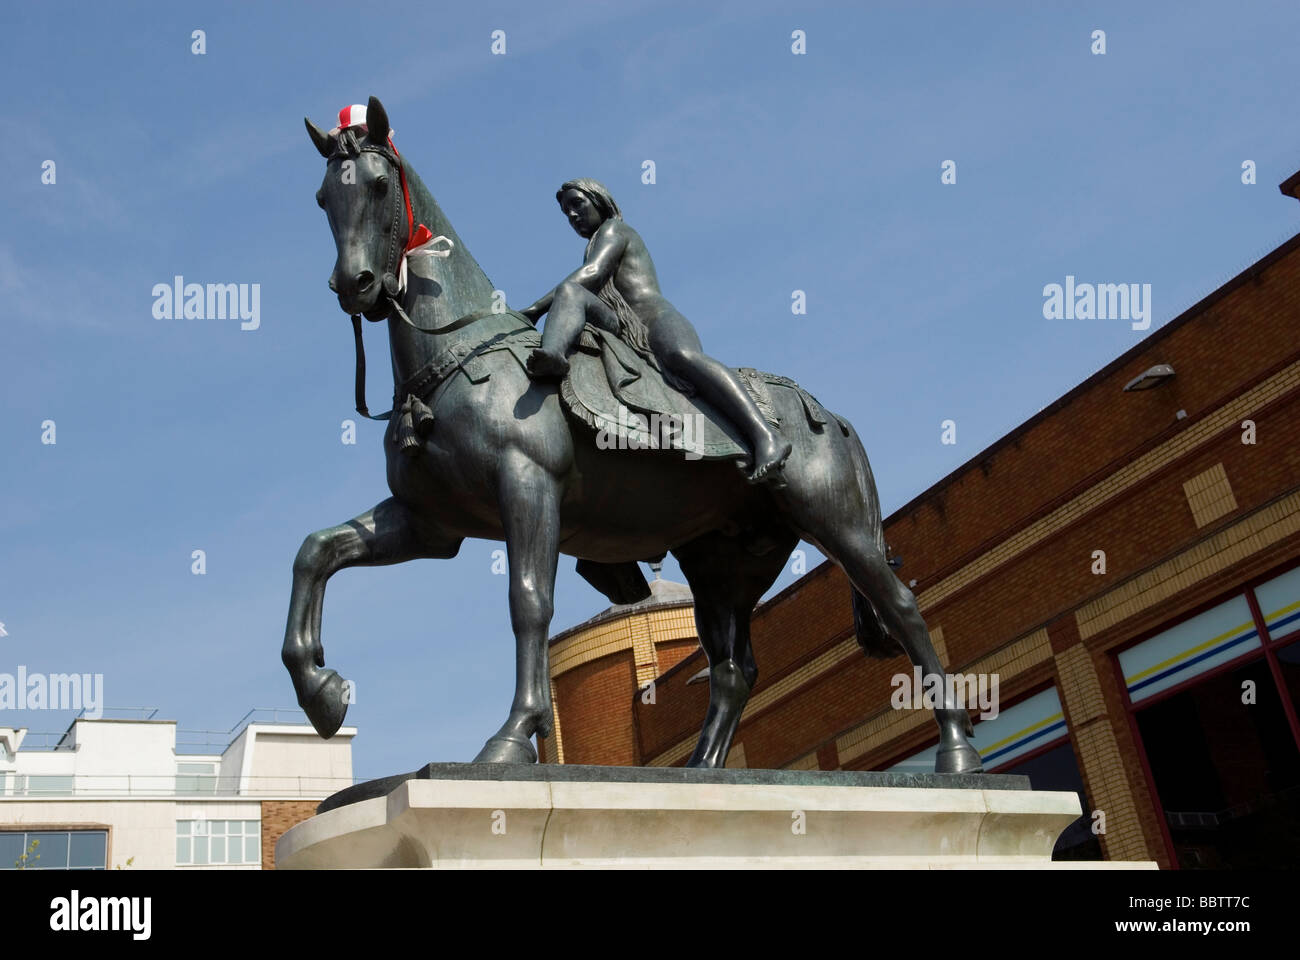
534 312
606 250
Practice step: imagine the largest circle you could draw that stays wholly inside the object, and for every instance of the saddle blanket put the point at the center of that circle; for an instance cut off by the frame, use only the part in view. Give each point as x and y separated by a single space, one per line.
623 396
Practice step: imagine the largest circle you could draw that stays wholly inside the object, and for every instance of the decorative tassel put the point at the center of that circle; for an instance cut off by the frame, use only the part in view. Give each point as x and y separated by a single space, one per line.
407 442
422 417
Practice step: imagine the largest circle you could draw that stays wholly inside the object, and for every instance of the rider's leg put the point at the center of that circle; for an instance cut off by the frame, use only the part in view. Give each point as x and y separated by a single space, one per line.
677 346
572 306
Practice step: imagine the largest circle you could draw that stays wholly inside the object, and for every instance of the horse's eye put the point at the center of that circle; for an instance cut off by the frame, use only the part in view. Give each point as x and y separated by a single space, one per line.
381 184
320 199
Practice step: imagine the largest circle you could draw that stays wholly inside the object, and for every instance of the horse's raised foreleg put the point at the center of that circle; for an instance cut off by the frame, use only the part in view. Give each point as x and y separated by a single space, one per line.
530 518
384 535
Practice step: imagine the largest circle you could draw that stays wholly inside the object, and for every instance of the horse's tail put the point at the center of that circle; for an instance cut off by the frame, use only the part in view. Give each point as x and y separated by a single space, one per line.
874 638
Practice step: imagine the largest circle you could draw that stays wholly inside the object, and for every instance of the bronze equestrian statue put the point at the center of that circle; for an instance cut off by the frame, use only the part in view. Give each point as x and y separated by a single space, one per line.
476 447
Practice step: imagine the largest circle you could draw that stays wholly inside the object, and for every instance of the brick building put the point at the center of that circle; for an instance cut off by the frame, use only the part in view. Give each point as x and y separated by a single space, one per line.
597 666
1126 563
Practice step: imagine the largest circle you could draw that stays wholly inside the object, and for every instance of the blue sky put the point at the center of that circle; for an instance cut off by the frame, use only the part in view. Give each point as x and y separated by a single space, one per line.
775 172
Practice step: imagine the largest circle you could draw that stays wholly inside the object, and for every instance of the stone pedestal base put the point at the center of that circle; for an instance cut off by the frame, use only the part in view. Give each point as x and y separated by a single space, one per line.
556 816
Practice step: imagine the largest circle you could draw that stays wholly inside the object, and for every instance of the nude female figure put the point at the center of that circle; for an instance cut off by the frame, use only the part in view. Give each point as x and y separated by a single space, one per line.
617 290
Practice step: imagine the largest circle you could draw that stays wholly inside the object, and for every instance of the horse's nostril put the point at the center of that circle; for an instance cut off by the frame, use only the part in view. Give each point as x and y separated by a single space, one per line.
334 284
364 279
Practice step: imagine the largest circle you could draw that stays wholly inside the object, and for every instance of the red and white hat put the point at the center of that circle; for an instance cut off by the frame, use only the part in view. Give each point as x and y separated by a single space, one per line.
354 116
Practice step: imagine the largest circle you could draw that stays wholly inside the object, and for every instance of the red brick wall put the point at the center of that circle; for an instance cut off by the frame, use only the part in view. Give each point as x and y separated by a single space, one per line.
277 817
595 713
674 652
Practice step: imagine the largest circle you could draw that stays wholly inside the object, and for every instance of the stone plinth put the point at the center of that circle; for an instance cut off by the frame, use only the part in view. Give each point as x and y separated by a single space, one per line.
562 816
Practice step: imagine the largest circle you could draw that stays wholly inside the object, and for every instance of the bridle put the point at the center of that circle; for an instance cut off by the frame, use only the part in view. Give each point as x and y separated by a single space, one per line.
420 242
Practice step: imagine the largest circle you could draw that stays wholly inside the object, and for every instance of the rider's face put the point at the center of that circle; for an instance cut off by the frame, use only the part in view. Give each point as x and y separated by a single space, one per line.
582 213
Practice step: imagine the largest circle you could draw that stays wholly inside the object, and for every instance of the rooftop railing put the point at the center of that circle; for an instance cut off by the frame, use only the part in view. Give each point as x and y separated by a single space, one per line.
188 741
194 739
188 786
131 713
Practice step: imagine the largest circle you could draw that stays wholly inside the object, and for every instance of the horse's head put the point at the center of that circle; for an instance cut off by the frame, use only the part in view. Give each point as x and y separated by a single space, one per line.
368 207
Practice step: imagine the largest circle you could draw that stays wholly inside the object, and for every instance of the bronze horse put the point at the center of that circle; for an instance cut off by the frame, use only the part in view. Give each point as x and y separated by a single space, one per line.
498 458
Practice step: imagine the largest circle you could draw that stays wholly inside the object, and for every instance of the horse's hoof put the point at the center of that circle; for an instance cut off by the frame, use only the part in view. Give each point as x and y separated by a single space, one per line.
699 760
506 750
963 759
327 707
704 765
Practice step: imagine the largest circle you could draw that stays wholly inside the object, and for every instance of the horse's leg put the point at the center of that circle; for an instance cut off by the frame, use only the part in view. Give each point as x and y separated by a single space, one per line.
719 631
831 499
726 583
530 518
896 605
385 534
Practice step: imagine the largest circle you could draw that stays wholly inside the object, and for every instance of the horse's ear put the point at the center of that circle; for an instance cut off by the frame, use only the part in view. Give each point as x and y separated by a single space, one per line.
377 121
320 138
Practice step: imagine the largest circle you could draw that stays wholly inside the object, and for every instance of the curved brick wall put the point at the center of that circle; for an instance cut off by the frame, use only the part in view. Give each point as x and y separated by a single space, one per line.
600 667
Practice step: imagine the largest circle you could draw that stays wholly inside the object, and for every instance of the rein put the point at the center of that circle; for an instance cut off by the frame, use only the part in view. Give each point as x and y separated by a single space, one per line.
360 348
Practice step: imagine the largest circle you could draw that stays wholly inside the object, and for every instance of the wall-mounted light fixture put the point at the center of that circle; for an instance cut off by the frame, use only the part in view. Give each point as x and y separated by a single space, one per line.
1160 373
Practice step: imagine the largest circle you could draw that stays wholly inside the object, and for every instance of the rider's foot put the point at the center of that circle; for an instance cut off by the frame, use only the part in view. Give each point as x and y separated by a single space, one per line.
543 364
769 458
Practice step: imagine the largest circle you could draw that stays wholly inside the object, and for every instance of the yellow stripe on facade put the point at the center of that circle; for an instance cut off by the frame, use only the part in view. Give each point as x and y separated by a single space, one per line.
1187 653
1028 730
1280 613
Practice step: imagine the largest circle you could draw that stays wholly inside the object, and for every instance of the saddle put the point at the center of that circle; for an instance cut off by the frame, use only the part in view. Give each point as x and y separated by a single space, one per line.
628 399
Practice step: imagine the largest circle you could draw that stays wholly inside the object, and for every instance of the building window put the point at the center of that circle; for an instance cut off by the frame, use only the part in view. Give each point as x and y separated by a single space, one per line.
196 778
1288 661
1279 603
202 843
1213 728
54 850
1194 647
42 785
1226 770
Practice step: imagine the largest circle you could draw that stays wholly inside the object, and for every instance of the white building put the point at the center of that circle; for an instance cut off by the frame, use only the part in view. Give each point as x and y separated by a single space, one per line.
110 791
